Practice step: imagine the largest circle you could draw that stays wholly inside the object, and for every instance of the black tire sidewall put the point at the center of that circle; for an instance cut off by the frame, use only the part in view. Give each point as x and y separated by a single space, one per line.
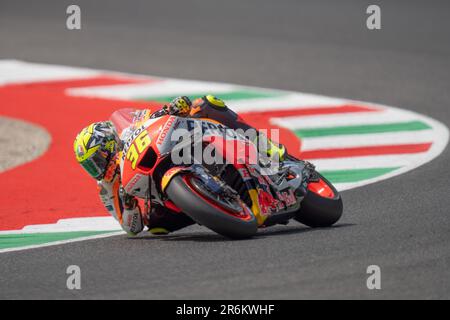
205 214
317 211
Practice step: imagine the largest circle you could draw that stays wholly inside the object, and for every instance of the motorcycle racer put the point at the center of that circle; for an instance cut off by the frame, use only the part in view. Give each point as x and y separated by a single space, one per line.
97 149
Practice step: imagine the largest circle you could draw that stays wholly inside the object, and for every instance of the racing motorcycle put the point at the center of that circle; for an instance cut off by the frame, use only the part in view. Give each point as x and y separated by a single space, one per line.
233 195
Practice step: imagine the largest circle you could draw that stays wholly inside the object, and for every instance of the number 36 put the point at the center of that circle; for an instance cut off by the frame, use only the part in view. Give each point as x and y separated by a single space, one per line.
141 143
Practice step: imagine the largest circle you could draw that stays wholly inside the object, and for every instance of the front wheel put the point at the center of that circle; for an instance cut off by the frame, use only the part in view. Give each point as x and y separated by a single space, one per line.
232 220
322 205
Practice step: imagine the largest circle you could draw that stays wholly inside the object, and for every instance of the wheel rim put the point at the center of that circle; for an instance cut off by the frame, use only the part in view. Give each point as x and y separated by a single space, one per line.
243 214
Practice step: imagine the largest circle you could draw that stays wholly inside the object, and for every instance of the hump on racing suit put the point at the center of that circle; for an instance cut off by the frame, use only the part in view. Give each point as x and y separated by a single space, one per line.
126 120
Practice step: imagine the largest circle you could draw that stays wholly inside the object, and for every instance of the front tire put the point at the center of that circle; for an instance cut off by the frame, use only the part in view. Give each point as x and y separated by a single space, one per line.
202 210
320 210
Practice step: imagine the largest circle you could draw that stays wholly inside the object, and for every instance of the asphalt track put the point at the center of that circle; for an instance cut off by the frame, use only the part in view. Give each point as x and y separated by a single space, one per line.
401 224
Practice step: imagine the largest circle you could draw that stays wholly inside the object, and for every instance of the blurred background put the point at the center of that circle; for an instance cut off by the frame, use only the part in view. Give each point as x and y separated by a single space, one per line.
311 46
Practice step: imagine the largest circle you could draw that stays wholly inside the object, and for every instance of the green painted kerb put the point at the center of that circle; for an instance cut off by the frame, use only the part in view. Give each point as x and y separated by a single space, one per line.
362 129
355 175
29 239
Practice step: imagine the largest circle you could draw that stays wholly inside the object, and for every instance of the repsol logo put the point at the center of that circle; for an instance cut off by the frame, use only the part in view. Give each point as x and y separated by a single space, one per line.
130 140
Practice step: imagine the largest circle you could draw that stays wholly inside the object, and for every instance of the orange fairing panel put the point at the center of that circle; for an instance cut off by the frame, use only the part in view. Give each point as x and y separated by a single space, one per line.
169 175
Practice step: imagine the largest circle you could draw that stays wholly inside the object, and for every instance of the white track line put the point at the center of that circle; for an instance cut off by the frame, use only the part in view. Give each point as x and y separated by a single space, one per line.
289 101
367 140
368 162
146 90
286 100
345 119
13 72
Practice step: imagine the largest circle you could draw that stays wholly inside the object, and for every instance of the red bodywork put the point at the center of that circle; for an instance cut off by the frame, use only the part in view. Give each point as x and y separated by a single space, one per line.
142 156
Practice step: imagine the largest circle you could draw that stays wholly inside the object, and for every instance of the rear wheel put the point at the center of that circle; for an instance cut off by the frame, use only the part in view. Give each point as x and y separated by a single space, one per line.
322 205
229 218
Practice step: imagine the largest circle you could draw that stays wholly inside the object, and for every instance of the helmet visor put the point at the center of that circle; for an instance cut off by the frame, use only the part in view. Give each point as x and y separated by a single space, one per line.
95 165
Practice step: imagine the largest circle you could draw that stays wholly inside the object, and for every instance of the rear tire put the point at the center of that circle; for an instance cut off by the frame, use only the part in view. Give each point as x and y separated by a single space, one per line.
195 206
319 212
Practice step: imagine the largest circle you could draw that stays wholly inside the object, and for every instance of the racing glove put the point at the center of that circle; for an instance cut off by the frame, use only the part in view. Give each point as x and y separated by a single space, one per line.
181 106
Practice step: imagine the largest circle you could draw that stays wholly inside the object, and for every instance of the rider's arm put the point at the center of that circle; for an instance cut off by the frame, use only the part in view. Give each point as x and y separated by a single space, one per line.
123 208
